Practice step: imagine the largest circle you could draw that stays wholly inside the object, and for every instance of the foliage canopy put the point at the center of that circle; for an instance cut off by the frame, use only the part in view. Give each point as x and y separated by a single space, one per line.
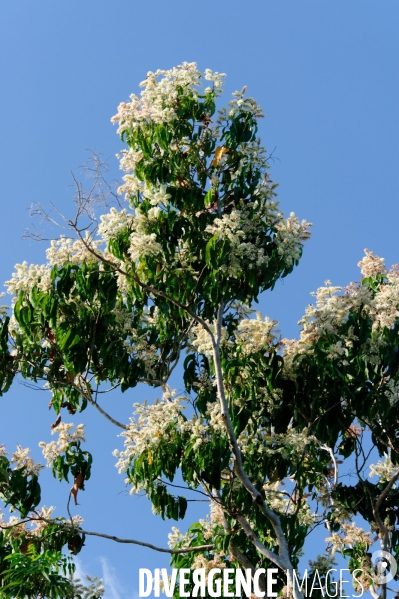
264 423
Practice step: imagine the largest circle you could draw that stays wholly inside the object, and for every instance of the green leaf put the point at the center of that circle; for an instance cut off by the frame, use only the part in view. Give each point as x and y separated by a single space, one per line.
69 340
209 198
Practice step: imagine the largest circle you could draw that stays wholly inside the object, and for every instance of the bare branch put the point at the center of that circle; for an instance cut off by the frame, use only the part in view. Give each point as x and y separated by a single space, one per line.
334 461
134 541
65 526
282 560
250 533
105 414
143 544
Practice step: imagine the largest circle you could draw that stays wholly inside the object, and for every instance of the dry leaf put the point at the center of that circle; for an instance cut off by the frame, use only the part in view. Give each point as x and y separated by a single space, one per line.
56 423
77 484
220 150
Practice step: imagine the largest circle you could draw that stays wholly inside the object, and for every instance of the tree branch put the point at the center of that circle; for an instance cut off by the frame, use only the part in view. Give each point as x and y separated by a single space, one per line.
238 465
149 545
104 413
282 560
250 533
132 541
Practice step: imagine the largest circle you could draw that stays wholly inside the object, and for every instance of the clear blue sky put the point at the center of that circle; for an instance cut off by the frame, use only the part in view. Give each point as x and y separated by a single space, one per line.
327 76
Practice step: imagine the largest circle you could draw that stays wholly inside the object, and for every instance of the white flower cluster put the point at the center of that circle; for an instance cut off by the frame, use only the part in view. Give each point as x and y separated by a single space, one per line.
350 535
384 308
175 537
128 160
200 561
252 153
256 334
240 103
75 251
26 277
200 339
204 382
39 519
21 459
142 244
161 94
290 237
279 502
333 306
157 196
149 425
217 80
153 424
384 469
113 223
371 265
14 525
330 311
52 450
137 345
209 526
236 227
289 444
216 514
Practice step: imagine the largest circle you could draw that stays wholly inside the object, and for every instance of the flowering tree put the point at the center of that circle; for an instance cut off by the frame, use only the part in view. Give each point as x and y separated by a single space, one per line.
264 423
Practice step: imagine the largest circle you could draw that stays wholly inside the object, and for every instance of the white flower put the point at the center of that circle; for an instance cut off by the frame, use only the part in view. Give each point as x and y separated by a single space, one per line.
384 308
75 251
161 93
149 425
142 244
157 195
175 537
384 469
114 223
256 334
21 460
350 535
52 450
244 232
371 265
26 277
154 213
153 424
38 524
290 237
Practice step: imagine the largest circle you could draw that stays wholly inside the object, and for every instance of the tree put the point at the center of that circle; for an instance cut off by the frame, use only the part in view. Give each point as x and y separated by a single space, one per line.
264 423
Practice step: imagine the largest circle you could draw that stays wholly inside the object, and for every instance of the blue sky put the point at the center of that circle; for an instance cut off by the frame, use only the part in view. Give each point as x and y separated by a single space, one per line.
326 74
